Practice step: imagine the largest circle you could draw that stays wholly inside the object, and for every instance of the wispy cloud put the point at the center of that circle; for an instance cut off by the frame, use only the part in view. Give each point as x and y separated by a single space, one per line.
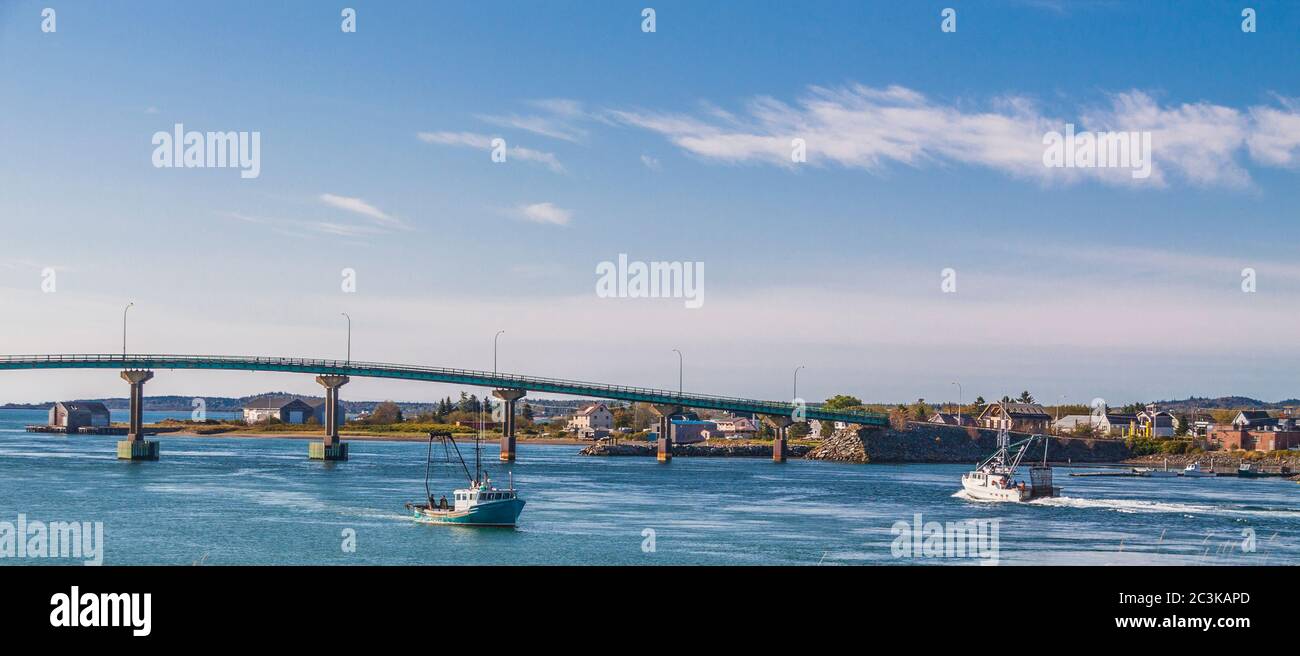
484 142
651 163
873 128
296 227
544 213
359 206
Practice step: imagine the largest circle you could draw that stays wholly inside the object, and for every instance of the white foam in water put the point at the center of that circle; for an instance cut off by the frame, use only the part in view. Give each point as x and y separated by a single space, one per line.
1139 506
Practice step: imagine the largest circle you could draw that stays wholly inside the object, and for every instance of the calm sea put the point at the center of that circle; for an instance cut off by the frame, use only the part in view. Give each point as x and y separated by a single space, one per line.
261 501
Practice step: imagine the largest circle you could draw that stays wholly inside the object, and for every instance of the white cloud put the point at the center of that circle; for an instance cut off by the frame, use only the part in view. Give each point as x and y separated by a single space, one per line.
1276 142
873 128
359 206
651 163
484 142
544 213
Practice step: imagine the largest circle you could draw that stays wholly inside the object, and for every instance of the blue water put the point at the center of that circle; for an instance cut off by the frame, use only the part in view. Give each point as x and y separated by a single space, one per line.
261 501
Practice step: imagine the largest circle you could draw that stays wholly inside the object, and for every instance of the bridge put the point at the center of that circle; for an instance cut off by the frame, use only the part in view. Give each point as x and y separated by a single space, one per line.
137 369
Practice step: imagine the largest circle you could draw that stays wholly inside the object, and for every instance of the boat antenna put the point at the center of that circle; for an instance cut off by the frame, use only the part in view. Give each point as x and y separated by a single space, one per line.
427 457
478 444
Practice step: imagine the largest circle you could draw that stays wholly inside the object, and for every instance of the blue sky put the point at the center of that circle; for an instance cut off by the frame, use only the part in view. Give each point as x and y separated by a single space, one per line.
665 146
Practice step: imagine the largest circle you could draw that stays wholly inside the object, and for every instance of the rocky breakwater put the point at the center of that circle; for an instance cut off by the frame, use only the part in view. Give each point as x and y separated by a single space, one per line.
922 442
702 450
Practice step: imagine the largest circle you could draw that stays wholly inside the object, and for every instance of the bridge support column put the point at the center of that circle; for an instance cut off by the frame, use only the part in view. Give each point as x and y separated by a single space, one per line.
509 397
665 412
779 424
135 447
332 447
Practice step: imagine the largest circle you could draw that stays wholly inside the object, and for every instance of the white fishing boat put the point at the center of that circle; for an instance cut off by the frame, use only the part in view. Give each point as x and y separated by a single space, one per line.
994 479
1152 472
1197 470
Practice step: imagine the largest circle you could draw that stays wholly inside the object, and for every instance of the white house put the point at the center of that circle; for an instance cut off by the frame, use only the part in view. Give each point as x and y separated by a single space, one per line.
736 427
592 417
286 409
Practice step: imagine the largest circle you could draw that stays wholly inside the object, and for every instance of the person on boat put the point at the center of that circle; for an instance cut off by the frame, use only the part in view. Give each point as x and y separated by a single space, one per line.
442 503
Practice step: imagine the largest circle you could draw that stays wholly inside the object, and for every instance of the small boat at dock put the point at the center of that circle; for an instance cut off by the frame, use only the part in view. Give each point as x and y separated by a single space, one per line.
1197 470
1152 472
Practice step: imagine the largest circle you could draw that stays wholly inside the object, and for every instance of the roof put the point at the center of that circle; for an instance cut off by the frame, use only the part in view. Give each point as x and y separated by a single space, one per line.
1018 410
592 407
93 407
273 402
1255 415
1074 420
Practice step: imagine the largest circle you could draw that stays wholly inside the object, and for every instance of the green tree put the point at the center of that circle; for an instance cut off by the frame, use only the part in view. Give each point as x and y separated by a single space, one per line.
1026 397
386 413
842 402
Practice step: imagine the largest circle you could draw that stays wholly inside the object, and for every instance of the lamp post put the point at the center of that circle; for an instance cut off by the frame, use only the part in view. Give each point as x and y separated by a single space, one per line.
681 367
796 381
128 307
494 351
958 402
349 361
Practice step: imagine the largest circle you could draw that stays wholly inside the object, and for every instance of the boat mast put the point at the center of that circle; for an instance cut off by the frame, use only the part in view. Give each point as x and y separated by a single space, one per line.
427 457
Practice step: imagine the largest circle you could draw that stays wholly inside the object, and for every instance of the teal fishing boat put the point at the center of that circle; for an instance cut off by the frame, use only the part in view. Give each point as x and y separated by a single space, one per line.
480 504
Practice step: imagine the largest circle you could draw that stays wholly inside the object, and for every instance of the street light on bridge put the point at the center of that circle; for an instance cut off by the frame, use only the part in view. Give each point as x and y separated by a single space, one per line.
958 402
349 361
494 351
796 381
681 366
128 307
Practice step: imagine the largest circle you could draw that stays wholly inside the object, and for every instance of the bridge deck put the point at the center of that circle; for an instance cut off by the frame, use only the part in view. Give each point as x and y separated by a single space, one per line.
429 374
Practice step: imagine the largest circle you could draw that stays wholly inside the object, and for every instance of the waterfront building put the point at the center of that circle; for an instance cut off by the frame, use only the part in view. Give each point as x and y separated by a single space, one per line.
952 419
1254 420
1070 423
1020 417
738 427
593 416
72 415
318 411
690 431
285 409
1165 424
1231 438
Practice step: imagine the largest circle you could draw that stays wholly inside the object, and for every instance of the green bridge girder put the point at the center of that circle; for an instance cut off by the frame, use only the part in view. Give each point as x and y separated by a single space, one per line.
431 374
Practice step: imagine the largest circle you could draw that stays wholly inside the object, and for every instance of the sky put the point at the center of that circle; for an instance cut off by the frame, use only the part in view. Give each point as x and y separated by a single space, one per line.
922 241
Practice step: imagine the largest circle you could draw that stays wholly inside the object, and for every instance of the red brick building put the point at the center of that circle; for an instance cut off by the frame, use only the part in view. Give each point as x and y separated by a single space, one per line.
1255 440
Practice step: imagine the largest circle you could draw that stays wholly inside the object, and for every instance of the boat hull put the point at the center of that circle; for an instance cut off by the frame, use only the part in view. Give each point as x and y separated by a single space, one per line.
986 493
495 513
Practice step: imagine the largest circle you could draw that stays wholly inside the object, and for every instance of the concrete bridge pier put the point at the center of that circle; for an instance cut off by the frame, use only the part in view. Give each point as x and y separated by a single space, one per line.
135 447
665 412
509 397
779 424
332 447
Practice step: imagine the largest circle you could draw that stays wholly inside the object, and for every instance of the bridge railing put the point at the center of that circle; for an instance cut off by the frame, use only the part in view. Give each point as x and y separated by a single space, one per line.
310 365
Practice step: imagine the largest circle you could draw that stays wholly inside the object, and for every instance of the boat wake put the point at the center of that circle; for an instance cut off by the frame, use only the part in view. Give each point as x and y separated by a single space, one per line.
1139 506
